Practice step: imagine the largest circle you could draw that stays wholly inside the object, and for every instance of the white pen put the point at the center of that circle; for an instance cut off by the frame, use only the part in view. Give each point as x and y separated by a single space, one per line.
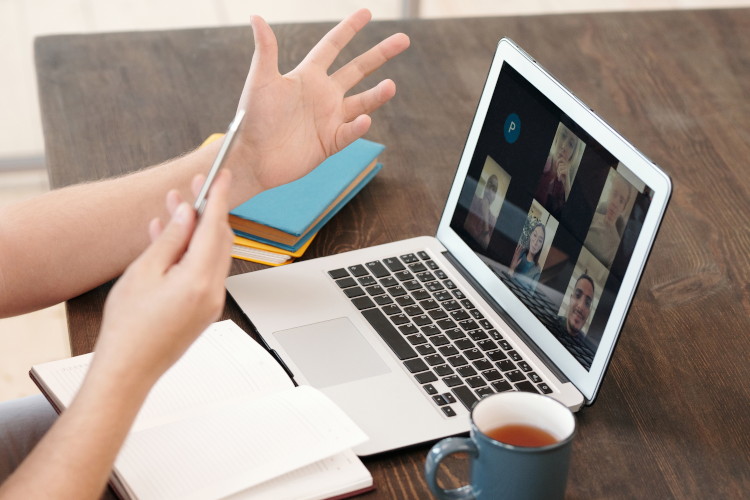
200 201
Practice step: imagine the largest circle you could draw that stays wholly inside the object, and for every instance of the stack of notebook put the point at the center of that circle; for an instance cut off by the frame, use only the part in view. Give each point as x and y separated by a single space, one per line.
278 225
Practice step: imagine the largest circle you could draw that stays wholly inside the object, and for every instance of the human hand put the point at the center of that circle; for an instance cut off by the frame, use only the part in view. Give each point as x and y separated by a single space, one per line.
295 121
172 291
516 258
563 170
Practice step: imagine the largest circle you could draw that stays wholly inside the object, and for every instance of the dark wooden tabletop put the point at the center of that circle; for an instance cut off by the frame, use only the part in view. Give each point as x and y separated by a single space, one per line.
672 416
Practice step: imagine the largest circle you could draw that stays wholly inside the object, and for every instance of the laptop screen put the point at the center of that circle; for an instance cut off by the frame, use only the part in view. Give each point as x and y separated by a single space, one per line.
551 212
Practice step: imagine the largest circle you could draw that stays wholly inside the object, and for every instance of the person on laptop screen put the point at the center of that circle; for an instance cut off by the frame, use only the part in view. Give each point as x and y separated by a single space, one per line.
559 170
176 285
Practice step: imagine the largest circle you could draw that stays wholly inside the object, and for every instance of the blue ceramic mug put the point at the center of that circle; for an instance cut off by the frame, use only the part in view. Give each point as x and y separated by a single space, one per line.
500 470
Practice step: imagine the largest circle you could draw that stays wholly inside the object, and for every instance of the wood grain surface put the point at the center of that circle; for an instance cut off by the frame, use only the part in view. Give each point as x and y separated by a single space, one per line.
672 419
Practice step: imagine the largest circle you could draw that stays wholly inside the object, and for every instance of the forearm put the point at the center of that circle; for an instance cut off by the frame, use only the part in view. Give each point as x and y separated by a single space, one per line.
71 240
75 458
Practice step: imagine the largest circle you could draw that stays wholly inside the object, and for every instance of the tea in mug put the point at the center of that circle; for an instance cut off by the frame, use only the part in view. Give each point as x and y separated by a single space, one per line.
522 435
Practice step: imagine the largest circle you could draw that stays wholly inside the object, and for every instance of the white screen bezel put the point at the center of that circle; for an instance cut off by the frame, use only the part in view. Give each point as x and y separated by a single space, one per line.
587 382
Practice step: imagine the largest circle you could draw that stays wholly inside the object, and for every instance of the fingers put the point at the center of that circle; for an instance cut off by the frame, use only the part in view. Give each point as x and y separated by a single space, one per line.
326 50
211 245
170 243
266 54
358 68
368 101
351 131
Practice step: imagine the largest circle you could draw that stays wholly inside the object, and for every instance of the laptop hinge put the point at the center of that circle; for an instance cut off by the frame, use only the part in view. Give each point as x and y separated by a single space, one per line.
506 317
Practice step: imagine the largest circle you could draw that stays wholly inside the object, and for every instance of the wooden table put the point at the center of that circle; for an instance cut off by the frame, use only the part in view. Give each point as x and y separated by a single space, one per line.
672 417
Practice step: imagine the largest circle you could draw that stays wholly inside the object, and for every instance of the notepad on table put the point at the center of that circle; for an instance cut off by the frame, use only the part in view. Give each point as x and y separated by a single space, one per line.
259 436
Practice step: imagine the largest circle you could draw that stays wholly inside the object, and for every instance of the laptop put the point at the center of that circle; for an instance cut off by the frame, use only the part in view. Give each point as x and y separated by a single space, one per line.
525 286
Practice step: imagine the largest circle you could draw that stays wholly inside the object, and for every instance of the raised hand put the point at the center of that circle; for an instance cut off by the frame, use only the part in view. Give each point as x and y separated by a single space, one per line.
295 121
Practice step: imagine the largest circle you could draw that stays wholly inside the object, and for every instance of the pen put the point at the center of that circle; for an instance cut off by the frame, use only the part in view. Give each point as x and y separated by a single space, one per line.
200 201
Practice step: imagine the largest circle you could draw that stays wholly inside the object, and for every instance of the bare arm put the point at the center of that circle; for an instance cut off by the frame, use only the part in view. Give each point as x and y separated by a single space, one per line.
180 276
64 243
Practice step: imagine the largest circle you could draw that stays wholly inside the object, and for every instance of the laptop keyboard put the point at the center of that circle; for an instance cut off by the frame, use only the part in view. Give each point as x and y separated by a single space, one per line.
453 352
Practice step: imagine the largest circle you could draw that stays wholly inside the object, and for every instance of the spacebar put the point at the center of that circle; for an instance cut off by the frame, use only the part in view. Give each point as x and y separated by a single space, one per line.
392 337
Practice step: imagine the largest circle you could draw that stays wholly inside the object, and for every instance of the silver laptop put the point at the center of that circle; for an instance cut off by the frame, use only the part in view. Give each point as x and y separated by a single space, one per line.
526 285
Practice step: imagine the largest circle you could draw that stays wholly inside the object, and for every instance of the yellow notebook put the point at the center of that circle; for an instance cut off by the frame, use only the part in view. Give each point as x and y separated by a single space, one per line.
255 251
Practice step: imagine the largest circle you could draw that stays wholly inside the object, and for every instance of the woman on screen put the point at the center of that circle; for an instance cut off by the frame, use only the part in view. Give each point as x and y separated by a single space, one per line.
526 257
557 176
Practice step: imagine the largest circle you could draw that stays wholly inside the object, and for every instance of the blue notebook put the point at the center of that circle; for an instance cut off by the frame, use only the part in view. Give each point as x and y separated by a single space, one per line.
287 216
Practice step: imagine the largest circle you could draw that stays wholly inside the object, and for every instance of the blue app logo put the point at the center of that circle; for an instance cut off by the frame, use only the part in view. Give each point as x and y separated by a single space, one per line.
512 128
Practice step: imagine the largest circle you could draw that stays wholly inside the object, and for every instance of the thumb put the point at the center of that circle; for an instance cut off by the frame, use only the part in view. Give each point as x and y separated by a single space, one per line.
266 53
171 244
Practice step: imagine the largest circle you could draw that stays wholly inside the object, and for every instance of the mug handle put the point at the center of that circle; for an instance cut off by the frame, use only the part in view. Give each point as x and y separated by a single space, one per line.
436 455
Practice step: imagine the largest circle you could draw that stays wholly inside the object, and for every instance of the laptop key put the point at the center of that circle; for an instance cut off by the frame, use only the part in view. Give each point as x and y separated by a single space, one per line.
439 340
502 386
526 386
534 377
425 349
415 365
408 329
443 370
393 264
492 375
516 376
544 388
430 330
472 354
506 365
448 350
475 382
465 395
338 273
375 290
430 389
426 377
377 269
483 392
434 360
382 300
358 270
389 281
367 280
416 339
405 300
411 285
354 292
409 258
414 310
391 309
420 294
452 380
466 371
457 360
363 302
448 411
399 319
497 355
482 365
389 334
346 282
464 344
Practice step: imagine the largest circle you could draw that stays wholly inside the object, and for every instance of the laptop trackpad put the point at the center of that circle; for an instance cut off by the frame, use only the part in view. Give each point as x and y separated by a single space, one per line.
331 352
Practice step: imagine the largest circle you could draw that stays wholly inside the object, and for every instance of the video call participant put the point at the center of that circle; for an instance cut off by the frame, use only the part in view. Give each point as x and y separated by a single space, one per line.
173 273
608 223
481 222
525 261
570 327
554 185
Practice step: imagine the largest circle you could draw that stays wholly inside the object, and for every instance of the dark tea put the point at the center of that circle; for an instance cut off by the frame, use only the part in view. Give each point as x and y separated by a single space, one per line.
522 435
